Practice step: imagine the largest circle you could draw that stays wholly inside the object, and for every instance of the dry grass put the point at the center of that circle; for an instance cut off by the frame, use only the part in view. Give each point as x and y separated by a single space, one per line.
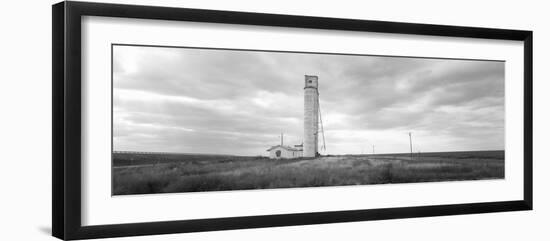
210 173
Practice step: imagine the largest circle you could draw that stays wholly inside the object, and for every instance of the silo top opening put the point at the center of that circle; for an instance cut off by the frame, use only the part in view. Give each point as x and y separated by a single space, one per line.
311 81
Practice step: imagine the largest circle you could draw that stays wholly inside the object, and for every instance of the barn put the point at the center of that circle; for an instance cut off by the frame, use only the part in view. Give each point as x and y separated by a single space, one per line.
285 152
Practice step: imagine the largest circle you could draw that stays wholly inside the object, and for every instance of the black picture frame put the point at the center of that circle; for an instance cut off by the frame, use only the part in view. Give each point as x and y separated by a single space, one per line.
66 127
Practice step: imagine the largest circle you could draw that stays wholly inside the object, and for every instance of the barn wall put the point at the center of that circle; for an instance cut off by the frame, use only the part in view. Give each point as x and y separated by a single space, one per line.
272 154
284 153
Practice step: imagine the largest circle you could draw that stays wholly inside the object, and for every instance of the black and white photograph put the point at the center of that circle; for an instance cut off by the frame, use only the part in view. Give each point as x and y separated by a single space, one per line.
275 120
189 119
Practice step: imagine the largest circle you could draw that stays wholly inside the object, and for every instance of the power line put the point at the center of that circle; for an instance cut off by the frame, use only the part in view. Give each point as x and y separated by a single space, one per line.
410 142
321 121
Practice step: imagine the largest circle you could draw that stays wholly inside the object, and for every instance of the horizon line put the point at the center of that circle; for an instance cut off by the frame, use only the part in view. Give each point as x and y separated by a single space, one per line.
213 154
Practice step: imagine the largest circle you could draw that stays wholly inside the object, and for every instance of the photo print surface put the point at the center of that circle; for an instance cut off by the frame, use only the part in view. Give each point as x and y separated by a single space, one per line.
196 119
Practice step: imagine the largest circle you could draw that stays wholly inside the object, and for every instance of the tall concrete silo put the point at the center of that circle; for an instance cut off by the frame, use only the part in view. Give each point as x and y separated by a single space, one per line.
311 115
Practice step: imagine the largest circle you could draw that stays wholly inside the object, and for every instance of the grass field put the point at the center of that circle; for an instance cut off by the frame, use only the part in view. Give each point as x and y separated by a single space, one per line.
167 173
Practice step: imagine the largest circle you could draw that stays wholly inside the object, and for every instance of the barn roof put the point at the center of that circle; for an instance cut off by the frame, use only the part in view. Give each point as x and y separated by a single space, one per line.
284 147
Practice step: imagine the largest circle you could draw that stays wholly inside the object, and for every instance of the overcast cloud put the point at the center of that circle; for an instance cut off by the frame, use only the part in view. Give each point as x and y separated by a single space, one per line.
238 102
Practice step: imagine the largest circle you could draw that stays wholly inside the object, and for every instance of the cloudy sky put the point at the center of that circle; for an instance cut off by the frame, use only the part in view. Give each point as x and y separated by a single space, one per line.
238 102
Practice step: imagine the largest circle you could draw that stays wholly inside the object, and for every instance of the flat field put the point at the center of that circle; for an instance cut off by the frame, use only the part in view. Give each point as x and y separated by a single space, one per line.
168 173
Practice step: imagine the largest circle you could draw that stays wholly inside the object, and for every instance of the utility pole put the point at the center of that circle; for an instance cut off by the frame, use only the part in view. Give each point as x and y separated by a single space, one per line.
411 144
281 139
